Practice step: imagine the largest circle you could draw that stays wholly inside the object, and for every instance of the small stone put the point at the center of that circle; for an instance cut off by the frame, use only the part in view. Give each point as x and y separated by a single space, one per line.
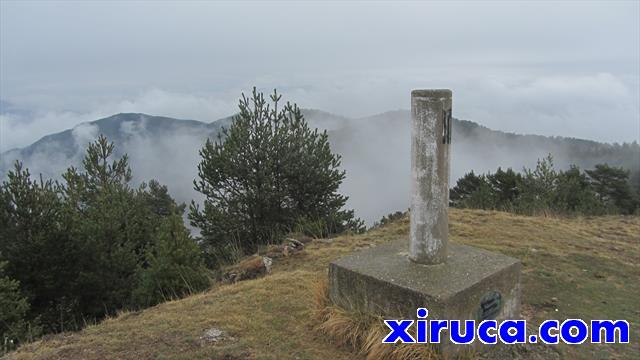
295 244
267 261
213 335
250 268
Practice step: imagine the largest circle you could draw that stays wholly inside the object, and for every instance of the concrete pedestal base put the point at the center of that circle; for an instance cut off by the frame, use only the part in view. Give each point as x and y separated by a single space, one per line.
473 284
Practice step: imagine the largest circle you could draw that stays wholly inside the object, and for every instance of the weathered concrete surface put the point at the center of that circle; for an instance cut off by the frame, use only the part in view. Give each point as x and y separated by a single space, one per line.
382 280
454 282
430 142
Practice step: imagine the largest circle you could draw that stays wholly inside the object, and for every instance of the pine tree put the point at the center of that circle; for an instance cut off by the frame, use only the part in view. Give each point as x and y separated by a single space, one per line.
14 326
262 175
506 187
79 249
538 188
464 188
111 225
174 266
575 195
36 243
612 187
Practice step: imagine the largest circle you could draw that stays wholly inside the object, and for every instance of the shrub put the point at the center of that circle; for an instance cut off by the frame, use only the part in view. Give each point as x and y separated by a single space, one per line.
266 173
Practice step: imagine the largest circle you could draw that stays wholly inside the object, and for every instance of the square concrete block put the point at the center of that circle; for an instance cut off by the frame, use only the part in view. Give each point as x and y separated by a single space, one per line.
473 284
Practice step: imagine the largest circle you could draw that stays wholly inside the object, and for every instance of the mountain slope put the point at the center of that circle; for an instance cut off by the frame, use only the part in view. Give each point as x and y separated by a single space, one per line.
158 147
376 155
118 128
572 268
375 152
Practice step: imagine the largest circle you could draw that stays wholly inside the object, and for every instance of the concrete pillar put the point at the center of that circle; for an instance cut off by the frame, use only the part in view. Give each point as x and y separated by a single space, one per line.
430 141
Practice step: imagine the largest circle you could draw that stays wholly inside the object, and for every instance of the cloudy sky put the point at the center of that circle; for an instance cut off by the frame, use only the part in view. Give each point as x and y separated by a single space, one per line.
551 68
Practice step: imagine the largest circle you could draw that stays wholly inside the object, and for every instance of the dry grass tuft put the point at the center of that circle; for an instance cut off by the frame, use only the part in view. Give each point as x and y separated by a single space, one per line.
362 332
321 303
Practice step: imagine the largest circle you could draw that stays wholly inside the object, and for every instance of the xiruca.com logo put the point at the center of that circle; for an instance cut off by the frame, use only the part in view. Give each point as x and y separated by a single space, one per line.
570 331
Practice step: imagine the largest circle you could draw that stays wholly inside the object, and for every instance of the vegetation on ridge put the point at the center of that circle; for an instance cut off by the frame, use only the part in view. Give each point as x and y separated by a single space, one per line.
268 172
75 251
602 190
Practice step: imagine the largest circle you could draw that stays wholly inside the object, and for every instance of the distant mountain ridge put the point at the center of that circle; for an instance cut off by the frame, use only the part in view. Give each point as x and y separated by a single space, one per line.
374 149
111 127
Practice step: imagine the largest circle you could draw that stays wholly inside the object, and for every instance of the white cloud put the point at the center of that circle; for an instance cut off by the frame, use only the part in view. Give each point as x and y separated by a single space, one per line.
202 107
84 134
560 68
22 129
600 106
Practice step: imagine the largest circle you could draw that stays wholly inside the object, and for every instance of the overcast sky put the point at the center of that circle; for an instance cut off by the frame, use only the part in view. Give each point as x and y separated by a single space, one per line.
550 68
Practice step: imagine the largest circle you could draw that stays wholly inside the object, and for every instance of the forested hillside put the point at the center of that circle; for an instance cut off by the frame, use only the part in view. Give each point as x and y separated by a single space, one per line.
375 153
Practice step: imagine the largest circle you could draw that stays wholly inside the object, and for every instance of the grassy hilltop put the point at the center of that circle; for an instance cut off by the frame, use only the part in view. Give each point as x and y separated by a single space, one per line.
585 268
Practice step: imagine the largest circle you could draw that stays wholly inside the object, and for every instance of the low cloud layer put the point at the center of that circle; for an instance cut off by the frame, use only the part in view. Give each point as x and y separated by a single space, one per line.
565 68
597 106
20 126
562 69
374 150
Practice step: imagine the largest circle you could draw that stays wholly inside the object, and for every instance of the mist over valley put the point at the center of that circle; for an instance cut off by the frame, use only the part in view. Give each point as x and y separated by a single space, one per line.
374 150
